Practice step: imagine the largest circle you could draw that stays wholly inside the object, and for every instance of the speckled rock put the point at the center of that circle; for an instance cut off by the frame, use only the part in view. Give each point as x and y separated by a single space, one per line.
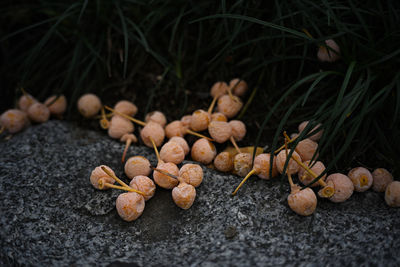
51 215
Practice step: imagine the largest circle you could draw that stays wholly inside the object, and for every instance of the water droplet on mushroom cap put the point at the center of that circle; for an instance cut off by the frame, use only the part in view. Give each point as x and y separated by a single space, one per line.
136 166
143 184
381 179
191 174
220 131
184 195
130 206
14 120
361 178
229 106
126 107
38 112
343 187
224 162
303 202
155 131
318 167
57 107
157 117
163 180
292 166
392 194
172 152
119 126
200 120
203 151
98 174
89 105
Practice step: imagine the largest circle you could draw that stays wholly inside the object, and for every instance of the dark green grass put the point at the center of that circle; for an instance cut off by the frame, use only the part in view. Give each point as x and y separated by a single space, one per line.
117 49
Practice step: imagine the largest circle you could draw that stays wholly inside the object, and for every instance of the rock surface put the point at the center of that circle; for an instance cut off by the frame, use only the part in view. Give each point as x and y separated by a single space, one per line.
51 215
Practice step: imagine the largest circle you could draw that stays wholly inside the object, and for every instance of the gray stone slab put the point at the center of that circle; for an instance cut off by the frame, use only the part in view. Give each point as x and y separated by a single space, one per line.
51 215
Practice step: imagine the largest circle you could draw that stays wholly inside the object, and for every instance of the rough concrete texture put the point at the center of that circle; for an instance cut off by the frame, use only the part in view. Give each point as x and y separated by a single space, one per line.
51 215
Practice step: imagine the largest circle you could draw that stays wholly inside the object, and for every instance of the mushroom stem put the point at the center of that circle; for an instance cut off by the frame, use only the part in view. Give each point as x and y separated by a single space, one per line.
163 172
104 123
109 115
210 109
53 101
155 149
142 123
115 177
102 185
2 129
235 145
127 145
283 146
243 181
198 135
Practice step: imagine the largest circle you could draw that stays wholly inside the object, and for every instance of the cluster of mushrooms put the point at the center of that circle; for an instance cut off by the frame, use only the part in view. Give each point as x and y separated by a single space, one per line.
31 110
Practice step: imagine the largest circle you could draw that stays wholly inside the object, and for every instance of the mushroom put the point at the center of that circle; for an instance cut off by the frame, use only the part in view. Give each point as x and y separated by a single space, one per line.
361 178
381 179
191 174
120 126
130 206
89 105
136 166
330 52
184 195
172 152
56 104
38 112
229 106
126 107
203 151
224 162
157 117
25 101
178 128
343 187
145 185
238 87
128 139
14 120
182 142
392 194
314 137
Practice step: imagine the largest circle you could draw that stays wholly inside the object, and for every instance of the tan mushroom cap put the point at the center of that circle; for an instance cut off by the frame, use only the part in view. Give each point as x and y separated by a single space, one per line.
191 174
381 179
175 128
238 129
120 126
163 180
242 164
126 107
228 106
315 137
89 105
186 120
184 195
262 166
136 166
128 136
292 167
392 194
200 120
130 206
59 106
306 149
328 55
305 178
14 120
38 112
303 202
239 87
220 131
361 177
218 116
182 142
25 101
203 151
224 162
343 187
157 117
155 131
98 174
218 89
172 152
143 184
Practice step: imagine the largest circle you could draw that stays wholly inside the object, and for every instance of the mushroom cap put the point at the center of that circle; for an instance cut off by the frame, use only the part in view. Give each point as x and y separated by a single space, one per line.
182 142
238 129
172 152
186 120
203 151
315 137
59 106
306 149
242 164
130 206
128 136
200 120
305 178
218 89
381 179
155 131
175 128
184 195
163 180
343 187
126 107
262 166
292 167
136 166
120 126
361 177
143 184
224 162
239 87
25 101
157 117
98 174
218 116
392 194
38 112
14 120
303 202
89 105
191 174
220 131
228 106
326 55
